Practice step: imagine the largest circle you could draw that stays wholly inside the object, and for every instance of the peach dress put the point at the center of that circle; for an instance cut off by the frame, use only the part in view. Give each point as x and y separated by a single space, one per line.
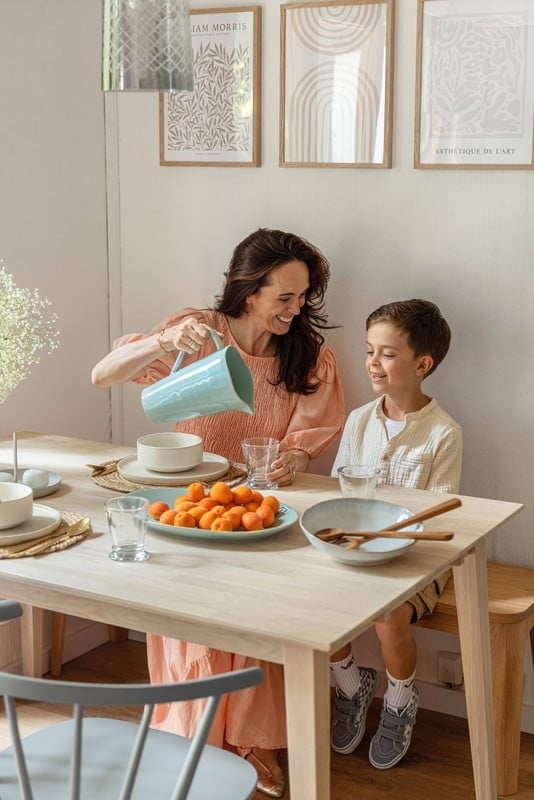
253 717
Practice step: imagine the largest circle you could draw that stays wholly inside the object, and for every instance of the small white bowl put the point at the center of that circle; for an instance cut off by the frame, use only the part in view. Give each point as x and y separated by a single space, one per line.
16 504
355 514
169 452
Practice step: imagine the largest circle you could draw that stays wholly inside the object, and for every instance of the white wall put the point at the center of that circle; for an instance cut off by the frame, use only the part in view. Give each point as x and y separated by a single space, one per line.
53 203
461 238
53 225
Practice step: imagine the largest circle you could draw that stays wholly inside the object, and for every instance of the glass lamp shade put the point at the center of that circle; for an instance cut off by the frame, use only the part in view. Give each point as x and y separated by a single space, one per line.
146 46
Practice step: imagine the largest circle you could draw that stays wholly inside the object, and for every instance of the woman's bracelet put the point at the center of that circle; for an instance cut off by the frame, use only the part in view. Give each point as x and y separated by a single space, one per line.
160 342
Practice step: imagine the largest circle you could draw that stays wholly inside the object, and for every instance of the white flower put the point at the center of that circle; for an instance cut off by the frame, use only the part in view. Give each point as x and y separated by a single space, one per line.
27 326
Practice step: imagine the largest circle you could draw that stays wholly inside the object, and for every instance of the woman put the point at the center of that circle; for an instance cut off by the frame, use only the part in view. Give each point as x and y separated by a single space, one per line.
271 310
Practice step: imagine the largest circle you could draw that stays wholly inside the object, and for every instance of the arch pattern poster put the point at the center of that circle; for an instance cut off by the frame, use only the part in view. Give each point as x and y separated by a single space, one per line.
336 84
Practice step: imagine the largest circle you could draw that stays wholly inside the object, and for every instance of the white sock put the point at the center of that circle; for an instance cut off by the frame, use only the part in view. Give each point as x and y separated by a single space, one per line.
346 675
399 691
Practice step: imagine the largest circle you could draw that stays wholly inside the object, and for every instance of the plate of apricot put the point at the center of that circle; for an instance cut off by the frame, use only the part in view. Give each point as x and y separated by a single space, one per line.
218 513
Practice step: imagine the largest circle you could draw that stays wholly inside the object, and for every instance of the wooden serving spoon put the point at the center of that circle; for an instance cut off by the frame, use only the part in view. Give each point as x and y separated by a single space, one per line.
434 511
331 534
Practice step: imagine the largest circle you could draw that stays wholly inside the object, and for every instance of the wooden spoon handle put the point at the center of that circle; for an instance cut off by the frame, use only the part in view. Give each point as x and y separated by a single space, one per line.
433 511
437 536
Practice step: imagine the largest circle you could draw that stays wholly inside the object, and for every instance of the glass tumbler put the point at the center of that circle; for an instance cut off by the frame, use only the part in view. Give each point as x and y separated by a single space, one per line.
127 518
358 480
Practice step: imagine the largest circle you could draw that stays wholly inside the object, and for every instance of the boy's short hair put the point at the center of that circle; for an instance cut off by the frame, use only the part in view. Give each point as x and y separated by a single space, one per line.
427 330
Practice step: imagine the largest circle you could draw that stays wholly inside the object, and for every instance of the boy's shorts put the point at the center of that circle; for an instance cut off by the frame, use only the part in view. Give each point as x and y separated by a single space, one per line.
424 602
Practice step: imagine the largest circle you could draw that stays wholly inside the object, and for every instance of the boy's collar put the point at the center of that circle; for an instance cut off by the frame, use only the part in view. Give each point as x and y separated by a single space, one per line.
379 410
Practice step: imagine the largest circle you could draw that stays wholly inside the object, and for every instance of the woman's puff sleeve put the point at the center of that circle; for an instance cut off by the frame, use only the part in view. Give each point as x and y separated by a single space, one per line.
318 418
161 366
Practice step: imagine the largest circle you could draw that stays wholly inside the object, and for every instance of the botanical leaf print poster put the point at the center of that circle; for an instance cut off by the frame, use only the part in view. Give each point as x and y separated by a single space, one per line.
217 123
476 72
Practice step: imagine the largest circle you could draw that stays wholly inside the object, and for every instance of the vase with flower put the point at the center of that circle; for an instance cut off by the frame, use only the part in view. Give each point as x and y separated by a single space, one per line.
27 329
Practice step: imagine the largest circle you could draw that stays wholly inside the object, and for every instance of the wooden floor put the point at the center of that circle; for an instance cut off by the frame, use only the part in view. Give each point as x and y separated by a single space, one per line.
437 767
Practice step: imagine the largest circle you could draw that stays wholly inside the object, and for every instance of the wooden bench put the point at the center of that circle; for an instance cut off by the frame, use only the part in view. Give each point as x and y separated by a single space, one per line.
511 615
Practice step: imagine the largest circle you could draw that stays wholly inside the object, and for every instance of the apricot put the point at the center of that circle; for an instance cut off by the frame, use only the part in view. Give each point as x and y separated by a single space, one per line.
257 497
157 508
237 511
184 520
272 502
221 492
208 503
181 498
251 522
233 519
184 505
252 506
206 520
266 514
195 491
197 512
218 510
167 518
242 495
221 524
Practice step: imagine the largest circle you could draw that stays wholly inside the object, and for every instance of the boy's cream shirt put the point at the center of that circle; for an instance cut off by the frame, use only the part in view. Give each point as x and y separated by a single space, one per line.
426 454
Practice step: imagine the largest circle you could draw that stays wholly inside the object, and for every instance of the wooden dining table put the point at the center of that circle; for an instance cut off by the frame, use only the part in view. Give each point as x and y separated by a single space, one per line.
278 598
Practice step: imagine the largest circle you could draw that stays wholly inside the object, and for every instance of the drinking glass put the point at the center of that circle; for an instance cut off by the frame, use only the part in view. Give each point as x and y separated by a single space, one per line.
358 480
259 454
127 518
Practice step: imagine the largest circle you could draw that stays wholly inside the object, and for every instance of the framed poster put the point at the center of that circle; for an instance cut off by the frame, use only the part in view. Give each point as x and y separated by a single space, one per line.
218 123
336 92
475 84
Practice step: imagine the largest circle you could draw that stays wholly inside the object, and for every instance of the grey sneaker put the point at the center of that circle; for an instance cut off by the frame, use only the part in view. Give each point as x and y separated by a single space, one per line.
348 721
392 740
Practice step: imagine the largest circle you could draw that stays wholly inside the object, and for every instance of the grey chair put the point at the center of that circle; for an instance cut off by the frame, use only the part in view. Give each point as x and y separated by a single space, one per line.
92 758
9 609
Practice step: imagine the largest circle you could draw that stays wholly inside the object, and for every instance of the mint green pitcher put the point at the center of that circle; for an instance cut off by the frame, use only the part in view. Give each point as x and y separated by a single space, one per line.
218 382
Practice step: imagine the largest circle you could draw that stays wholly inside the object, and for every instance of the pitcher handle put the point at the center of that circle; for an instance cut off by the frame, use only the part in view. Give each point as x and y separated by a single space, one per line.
182 354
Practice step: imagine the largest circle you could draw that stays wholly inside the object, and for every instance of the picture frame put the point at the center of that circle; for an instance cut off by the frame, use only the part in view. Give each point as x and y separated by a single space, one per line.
474 104
218 123
336 83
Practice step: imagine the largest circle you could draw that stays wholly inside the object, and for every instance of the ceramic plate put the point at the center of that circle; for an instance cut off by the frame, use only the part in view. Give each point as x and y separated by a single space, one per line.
53 480
284 518
44 520
353 514
211 467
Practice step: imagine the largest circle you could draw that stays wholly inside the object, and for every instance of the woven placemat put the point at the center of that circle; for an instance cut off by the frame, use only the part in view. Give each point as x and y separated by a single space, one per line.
106 475
58 539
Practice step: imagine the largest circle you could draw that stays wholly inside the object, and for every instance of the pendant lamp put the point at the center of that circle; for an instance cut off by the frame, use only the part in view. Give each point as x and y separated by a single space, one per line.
146 46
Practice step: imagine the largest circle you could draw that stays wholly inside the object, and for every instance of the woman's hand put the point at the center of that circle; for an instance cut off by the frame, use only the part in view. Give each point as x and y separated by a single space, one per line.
286 466
189 335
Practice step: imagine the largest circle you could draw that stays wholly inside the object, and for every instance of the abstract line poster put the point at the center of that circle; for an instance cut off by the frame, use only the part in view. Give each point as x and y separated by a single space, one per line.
336 84
476 76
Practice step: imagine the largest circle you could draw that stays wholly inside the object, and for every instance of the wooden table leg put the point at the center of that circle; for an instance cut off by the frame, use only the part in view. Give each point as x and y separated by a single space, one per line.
307 693
59 623
470 582
31 640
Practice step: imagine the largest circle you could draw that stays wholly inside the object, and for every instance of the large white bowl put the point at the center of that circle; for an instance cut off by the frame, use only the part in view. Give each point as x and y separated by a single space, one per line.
16 504
355 514
169 452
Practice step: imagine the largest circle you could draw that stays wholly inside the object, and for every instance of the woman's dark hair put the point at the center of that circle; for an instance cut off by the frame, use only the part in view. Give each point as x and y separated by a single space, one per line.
250 267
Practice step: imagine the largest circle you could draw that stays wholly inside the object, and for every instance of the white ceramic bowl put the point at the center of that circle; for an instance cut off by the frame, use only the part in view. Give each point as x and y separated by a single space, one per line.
355 514
169 452
16 504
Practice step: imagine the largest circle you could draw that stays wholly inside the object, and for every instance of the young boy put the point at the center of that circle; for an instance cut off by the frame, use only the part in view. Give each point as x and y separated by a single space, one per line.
416 444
